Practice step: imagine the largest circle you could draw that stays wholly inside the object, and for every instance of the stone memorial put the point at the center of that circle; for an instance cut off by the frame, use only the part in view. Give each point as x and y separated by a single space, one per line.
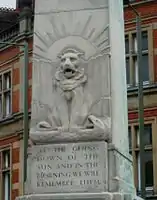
79 103
68 168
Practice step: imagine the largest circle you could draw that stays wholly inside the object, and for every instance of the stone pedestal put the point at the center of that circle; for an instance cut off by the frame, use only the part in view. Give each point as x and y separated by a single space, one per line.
79 103
78 196
86 170
120 171
70 167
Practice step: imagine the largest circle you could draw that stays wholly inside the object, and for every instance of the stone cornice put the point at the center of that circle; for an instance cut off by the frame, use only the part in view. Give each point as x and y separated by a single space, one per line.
148 89
12 118
17 39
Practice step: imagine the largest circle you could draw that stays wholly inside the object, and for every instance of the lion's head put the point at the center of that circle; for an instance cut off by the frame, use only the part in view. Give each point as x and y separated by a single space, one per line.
70 61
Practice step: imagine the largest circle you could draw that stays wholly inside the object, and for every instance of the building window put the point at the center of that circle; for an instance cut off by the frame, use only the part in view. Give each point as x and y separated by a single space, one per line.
147 135
5 94
149 169
126 44
5 174
130 138
148 155
131 50
127 71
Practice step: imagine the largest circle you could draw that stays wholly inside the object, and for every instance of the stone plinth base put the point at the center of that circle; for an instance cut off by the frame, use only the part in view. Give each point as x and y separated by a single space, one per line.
120 170
70 167
80 196
83 167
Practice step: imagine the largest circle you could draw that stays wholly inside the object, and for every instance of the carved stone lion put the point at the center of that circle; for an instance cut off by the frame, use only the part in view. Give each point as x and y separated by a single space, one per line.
72 105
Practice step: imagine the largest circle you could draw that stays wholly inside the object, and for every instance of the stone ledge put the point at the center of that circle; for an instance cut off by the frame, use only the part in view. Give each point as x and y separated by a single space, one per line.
106 195
49 137
80 196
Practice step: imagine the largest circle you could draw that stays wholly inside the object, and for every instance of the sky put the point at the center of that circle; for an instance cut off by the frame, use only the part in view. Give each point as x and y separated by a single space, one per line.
8 3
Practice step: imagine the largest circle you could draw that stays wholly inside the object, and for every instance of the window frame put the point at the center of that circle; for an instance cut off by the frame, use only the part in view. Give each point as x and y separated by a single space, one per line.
129 34
153 148
7 170
3 92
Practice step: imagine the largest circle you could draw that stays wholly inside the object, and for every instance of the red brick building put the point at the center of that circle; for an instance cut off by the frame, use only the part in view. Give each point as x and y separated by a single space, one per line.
148 12
17 26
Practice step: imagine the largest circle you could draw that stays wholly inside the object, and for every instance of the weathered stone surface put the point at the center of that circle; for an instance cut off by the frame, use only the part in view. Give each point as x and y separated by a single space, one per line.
79 94
76 81
41 137
120 171
70 196
71 72
81 196
72 167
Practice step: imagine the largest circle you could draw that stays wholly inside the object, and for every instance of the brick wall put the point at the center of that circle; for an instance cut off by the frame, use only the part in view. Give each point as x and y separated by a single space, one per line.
9 54
146 10
149 17
147 113
14 143
10 58
15 169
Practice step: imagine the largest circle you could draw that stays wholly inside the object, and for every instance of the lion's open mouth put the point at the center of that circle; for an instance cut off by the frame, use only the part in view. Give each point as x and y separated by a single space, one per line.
68 72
